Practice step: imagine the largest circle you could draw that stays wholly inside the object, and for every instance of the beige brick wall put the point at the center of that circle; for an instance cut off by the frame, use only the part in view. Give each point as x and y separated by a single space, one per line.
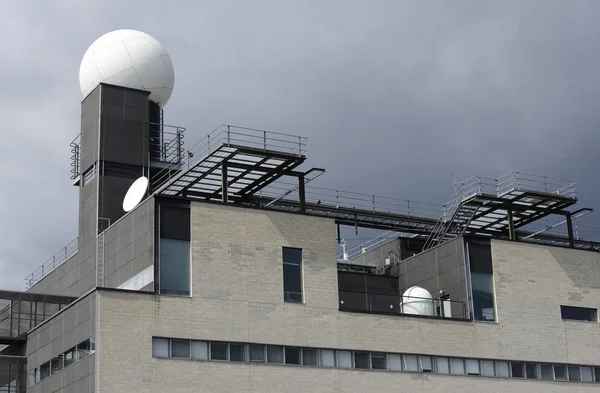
238 296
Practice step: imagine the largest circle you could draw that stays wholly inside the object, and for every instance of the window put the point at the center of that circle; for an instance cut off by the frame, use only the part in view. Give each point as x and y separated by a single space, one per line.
487 368
292 355
199 350
174 251
45 370
344 359
547 372
180 348
597 373
218 350
410 363
502 369
309 357
83 349
395 362
292 274
472 367
442 365
378 361
361 360
482 287
457 366
327 357
274 354
257 353
574 373
560 372
89 175
531 370
237 352
70 355
587 374
425 363
578 313
56 364
517 370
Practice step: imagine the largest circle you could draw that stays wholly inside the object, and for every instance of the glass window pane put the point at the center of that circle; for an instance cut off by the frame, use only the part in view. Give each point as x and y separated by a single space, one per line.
517 369
71 353
292 255
218 350
292 355
472 367
274 354
502 369
395 362
487 368
200 350
344 359
160 347
180 348
327 357
587 374
560 372
410 363
442 365
578 313
597 373
547 372
574 374
457 366
309 357
257 353
361 360
425 363
56 365
378 361
531 370
174 267
483 296
83 349
45 370
237 352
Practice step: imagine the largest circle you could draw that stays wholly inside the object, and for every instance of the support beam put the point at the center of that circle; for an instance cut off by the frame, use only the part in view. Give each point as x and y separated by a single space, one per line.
511 225
225 184
302 193
570 230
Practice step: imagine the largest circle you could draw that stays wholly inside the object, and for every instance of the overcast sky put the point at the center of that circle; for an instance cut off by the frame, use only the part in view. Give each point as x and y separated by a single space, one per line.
393 95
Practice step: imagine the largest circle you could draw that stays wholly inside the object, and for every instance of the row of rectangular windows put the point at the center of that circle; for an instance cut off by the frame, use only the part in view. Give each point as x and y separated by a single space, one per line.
367 360
63 360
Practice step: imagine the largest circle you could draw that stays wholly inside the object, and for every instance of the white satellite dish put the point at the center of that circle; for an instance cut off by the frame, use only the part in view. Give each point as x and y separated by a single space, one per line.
135 194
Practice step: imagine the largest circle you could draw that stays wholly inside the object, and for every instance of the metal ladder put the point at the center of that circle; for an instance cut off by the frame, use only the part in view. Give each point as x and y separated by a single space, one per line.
445 230
100 260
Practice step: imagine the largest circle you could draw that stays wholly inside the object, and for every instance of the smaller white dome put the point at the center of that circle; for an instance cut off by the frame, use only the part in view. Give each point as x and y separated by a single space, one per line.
415 294
417 301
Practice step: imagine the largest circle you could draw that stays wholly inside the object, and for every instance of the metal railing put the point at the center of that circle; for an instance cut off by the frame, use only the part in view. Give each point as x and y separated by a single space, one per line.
51 264
358 201
165 145
227 134
392 304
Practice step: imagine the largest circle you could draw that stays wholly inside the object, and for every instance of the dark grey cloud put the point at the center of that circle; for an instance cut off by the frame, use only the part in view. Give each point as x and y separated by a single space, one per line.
393 95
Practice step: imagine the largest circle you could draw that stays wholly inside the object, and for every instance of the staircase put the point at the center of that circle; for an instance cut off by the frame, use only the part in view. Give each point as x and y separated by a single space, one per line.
447 229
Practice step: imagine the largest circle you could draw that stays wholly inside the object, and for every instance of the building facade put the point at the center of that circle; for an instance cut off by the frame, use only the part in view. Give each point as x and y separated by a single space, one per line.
217 283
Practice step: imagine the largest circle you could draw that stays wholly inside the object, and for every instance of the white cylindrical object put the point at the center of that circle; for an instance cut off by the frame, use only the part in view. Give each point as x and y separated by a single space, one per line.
417 301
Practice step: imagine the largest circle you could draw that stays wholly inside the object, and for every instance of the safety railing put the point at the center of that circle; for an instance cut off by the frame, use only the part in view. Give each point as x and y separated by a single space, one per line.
392 304
358 201
51 264
227 134
166 143
372 244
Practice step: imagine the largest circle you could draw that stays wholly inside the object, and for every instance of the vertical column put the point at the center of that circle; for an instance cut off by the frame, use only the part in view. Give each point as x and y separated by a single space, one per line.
224 181
302 193
511 225
570 230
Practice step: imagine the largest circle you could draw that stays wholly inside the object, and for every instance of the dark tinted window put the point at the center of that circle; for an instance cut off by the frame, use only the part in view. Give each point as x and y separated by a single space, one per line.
292 274
257 353
218 351
517 369
174 222
180 348
378 361
480 257
560 372
309 357
574 373
274 354
578 313
292 355
237 352
531 370
361 360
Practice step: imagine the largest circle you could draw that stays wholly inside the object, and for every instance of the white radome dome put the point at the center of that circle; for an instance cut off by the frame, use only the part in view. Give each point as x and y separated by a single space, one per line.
128 58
